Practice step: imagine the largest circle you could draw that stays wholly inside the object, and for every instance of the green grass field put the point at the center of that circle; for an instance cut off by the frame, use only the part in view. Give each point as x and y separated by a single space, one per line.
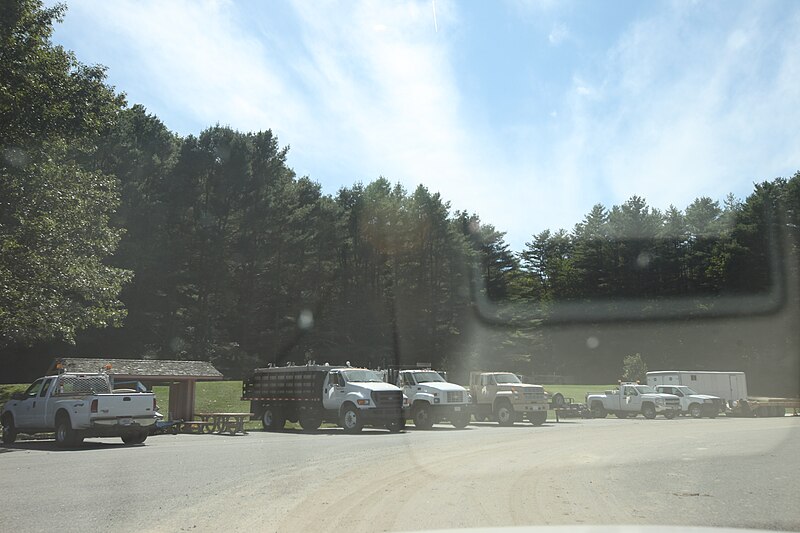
224 397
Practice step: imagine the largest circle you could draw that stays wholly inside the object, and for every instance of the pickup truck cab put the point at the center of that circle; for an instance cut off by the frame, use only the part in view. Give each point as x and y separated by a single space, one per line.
502 397
75 406
630 400
694 403
431 399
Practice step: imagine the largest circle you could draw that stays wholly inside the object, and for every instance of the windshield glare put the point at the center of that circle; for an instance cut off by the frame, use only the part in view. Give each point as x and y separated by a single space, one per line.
361 376
687 391
644 389
428 377
506 378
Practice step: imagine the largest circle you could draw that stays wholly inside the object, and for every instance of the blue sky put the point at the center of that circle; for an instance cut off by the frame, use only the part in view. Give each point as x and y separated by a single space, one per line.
527 112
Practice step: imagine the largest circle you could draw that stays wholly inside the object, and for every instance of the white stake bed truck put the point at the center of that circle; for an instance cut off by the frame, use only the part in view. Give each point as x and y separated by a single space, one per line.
730 386
630 400
76 406
432 399
313 394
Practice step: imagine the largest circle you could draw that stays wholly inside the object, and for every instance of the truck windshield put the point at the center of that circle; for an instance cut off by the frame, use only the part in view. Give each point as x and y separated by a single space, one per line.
428 377
644 389
687 391
506 378
361 376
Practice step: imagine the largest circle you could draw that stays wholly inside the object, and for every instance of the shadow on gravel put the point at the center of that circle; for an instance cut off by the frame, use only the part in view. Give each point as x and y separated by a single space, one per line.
50 446
331 431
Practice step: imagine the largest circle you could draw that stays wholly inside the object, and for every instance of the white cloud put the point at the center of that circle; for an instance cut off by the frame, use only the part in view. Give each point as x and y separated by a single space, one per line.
558 34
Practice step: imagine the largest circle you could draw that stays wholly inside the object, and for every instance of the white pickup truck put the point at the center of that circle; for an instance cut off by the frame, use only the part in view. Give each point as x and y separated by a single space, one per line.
630 400
694 403
431 399
75 406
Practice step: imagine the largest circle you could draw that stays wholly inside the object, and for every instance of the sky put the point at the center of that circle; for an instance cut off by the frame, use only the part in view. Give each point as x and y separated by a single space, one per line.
526 112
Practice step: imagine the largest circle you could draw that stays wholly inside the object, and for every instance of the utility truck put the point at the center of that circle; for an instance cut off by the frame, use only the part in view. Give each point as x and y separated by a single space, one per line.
730 386
75 406
502 397
693 403
630 399
431 398
313 394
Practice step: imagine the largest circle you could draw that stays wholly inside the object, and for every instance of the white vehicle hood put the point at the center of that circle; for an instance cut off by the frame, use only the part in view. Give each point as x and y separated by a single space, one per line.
440 386
373 385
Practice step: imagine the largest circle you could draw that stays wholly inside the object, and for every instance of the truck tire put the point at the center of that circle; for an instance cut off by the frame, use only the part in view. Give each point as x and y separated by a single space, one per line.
669 415
460 420
310 422
351 419
272 419
649 411
695 410
538 418
134 438
422 416
598 411
505 415
396 426
65 435
9 430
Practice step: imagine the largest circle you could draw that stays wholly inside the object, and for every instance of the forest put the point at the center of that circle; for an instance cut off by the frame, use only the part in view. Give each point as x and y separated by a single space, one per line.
120 238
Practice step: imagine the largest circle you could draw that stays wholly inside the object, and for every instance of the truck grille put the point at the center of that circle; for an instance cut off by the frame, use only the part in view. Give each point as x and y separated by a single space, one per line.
674 403
388 398
455 396
534 396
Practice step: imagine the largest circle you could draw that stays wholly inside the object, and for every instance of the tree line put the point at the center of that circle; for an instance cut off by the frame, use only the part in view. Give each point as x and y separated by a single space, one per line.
121 238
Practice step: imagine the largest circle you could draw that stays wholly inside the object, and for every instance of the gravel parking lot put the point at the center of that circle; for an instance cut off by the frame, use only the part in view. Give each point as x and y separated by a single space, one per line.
722 472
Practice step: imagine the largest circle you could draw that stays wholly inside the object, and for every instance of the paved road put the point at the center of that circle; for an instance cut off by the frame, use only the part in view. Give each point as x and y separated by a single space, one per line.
723 472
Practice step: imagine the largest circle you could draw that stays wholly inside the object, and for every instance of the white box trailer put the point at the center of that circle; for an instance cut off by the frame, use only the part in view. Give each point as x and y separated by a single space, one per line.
731 386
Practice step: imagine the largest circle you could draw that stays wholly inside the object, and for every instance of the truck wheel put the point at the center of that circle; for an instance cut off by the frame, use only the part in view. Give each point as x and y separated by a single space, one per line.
422 416
538 418
695 410
598 411
669 415
396 426
310 422
351 419
460 420
505 414
272 420
649 411
65 435
135 438
9 430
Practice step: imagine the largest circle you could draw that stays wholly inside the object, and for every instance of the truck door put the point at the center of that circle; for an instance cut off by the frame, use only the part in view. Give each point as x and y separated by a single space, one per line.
632 399
406 383
38 412
23 416
333 391
487 389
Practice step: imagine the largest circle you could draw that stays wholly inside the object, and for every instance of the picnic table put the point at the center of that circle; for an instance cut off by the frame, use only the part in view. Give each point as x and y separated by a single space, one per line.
232 423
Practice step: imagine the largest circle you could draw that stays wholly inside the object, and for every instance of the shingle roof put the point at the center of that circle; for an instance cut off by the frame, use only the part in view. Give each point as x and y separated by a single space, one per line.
142 368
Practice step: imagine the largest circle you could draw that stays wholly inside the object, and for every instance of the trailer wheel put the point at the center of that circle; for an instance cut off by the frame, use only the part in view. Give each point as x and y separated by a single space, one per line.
505 414
351 419
649 411
695 410
558 400
9 430
135 438
272 420
310 422
460 420
422 416
537 418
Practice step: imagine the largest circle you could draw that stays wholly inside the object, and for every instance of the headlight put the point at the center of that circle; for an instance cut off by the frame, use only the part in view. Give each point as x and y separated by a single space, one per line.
660 401
708 401
362 402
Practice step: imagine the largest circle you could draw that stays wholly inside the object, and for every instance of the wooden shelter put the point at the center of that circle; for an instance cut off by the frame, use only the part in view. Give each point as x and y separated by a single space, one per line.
181 376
